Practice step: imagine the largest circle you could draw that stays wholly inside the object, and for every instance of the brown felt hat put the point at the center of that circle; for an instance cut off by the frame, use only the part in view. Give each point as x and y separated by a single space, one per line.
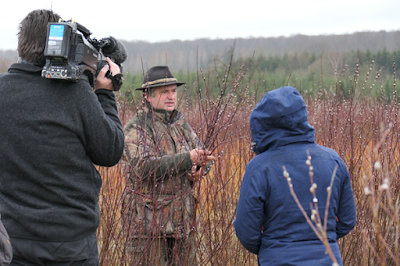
158 76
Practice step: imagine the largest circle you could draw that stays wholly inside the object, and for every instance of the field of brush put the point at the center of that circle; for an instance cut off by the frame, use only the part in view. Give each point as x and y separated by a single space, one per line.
363 128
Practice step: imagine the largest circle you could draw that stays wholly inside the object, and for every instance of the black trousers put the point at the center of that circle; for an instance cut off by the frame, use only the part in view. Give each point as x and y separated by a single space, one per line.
81 252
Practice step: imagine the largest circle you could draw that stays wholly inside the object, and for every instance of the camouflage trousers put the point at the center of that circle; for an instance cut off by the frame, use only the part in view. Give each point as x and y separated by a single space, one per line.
162 252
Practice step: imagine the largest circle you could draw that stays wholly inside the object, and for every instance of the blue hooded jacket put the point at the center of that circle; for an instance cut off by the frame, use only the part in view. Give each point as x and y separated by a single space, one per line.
268 221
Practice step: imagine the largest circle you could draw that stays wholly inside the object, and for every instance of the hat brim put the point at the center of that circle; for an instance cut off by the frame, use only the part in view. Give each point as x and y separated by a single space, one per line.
160 85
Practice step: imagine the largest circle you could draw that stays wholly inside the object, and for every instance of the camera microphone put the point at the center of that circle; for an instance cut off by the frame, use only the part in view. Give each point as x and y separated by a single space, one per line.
114 49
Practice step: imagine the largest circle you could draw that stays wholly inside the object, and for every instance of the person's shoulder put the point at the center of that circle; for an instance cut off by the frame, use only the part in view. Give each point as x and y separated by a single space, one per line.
81 86
79 91
134 119
138 120
328 150
181 120
331 154
260 161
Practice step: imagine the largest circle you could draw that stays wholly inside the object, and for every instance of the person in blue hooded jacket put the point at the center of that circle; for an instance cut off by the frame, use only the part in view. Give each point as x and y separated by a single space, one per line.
268 221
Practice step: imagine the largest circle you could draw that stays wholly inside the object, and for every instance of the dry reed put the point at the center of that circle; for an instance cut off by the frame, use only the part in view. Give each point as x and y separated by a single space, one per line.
345 120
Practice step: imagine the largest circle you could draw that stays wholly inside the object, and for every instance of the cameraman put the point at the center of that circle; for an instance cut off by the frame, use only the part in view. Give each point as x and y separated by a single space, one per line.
52 134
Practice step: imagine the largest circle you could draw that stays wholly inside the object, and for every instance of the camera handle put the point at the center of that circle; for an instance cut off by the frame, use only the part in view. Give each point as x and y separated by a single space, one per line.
116 80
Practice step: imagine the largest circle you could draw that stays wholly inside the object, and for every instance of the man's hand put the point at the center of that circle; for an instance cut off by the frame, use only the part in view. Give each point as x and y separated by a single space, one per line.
199 158
105 83
195 175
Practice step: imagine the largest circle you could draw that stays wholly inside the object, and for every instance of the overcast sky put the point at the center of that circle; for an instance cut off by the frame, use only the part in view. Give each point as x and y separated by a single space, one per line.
156 20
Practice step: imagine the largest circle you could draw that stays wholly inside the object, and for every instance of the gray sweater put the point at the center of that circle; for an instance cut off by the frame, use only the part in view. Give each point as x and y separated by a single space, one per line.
52 133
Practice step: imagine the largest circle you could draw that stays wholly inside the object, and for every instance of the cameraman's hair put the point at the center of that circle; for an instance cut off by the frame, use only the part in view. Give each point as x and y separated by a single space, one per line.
32 35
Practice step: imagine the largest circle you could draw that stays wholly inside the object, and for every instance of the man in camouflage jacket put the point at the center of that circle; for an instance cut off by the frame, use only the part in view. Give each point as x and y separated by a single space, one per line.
163 159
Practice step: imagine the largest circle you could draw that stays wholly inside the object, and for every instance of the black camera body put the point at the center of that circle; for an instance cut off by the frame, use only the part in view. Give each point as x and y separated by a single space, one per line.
71 54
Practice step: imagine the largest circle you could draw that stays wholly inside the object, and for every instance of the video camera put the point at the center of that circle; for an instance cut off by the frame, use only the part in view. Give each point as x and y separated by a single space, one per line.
71 54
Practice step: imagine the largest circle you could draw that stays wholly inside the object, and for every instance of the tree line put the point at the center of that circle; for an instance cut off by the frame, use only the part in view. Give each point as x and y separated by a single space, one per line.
200 53
307 62
309 72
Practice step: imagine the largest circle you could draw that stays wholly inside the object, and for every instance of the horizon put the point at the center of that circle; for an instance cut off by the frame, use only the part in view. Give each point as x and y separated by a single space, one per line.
245 38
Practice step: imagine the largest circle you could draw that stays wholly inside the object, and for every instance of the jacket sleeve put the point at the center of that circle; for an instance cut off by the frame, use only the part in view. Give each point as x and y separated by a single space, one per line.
250 210
103 136
346 214
142 154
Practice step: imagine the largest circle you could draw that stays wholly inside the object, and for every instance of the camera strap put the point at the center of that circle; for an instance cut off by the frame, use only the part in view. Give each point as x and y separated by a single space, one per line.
116 80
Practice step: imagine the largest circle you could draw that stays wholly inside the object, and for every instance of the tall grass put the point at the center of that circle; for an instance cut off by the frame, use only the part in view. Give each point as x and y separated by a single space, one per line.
345 118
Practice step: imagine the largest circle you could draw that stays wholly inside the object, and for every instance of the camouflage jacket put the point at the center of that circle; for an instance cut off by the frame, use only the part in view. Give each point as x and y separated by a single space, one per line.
156 161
